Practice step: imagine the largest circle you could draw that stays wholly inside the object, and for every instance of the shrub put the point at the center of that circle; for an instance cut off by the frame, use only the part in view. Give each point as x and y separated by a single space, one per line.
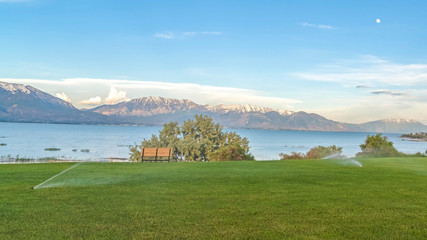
293 155
318 152
378 146
230 152
52 149
418 154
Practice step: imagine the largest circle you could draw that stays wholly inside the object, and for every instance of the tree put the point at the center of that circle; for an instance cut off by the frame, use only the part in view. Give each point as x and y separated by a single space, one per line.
169 138
134 153
198 139
378 146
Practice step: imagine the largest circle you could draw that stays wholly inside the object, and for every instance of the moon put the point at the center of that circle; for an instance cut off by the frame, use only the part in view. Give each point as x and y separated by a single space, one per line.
378 20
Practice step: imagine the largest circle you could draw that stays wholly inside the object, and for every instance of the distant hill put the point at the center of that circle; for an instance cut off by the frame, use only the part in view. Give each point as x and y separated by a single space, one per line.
158 110
390 126
19 103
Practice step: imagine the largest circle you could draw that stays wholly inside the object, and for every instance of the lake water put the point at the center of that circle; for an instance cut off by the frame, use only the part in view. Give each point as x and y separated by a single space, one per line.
101 142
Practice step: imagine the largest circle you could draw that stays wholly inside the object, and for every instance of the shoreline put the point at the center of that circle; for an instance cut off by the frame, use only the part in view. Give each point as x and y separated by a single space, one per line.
414 140
28 161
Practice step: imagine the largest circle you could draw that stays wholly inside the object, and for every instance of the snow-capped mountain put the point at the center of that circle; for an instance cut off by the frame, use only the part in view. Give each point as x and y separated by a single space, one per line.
20 103
147 106
398 120
398 125
21 93
245 109
159 110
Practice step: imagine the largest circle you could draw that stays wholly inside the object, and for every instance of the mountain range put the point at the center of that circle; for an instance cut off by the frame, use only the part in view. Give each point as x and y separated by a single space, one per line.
19 103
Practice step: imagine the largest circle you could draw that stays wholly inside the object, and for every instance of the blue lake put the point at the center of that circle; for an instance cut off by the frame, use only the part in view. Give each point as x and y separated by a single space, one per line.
30 140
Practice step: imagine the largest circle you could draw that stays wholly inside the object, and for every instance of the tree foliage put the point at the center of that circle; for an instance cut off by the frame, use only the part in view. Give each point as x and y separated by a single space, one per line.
230 153
198 139
293 155
378 146
318 152
418 135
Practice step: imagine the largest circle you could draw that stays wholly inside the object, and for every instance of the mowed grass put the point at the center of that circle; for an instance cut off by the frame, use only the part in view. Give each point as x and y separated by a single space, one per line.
302 199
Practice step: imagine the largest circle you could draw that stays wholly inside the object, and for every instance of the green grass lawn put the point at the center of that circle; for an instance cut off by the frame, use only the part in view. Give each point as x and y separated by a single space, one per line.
301 199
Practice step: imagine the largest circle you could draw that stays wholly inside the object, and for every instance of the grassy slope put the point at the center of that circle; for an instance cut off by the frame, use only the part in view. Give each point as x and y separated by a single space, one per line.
318 199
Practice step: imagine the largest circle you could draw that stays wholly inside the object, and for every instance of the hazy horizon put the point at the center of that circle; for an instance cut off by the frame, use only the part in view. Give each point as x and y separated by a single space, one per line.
348 61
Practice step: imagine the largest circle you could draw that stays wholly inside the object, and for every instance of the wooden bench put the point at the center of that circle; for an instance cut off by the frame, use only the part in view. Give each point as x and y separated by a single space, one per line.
156 153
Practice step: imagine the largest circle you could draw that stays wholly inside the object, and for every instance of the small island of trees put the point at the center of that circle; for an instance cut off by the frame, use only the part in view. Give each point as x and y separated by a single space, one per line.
421 136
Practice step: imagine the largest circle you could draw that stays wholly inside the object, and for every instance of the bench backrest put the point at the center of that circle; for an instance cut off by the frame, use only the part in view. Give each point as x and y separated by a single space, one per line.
156 152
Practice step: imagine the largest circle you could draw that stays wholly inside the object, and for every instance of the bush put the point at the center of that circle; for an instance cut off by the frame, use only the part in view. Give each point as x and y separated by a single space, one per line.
378 146
293 155
230 152
135 153
52 149
318 152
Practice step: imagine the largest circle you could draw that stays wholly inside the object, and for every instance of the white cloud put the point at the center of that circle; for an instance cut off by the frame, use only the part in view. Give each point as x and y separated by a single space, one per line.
115 97
182 35
374 107
319 26
13 1
84 88
368 70
388 92
205 94
325 26
165 35
63 96
92 101
212 33
189 34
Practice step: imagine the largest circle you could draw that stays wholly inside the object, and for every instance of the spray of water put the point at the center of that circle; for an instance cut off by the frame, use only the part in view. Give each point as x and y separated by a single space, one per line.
344 160
354 161
90 175
66 170
335 156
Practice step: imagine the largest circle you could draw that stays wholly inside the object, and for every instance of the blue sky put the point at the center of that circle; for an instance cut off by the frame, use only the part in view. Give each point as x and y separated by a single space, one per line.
327 57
